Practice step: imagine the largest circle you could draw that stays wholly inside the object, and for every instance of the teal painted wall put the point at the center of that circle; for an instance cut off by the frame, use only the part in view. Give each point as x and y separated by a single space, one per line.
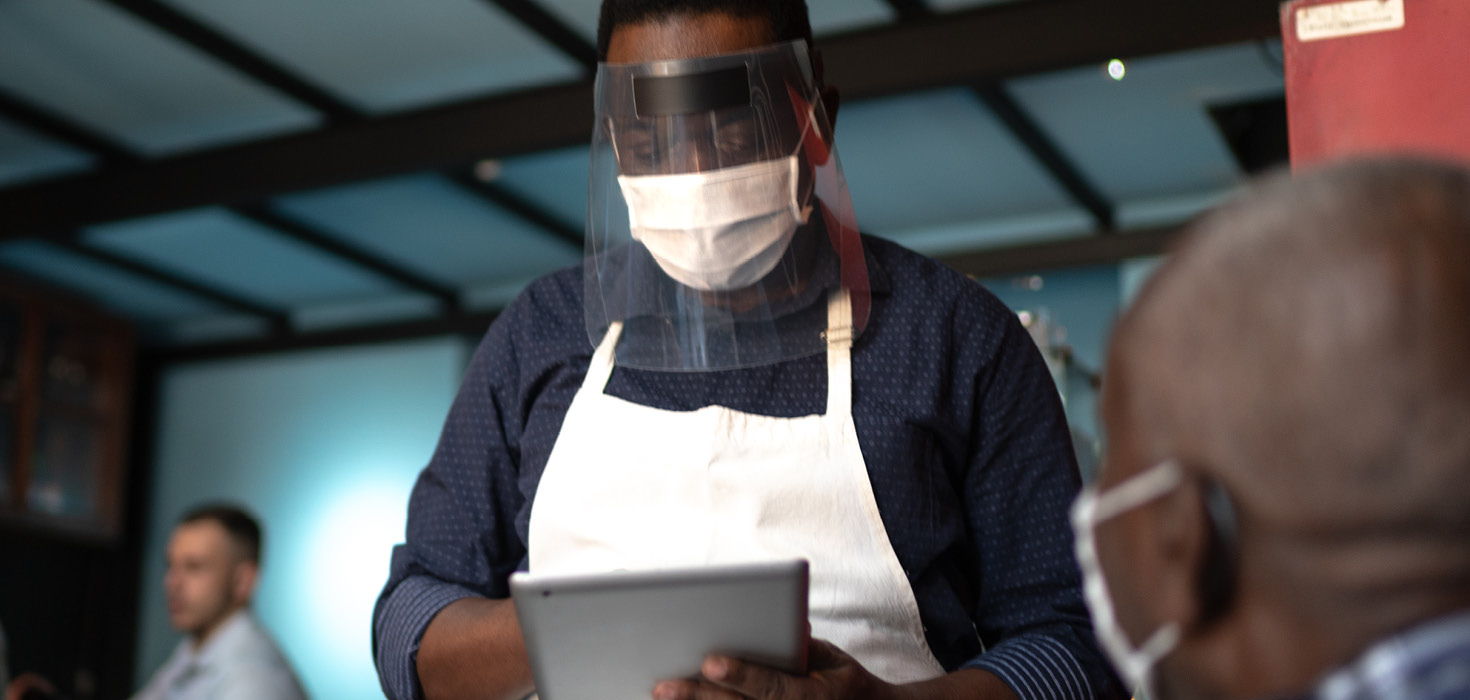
324 447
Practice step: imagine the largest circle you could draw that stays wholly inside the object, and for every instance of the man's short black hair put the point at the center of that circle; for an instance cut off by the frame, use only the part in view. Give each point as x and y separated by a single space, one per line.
788 17
241 526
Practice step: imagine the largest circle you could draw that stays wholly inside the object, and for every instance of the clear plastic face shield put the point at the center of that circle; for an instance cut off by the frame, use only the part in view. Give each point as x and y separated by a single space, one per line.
719 223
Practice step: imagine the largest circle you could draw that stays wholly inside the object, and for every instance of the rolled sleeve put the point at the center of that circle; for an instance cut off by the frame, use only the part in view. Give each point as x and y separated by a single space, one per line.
402 617
1038 666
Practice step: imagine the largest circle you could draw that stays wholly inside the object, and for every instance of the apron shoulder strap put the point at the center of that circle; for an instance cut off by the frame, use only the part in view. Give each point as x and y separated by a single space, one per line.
839 353
601 366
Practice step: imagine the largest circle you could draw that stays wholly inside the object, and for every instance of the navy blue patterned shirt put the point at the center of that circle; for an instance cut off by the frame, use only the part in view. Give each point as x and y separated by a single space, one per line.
960 426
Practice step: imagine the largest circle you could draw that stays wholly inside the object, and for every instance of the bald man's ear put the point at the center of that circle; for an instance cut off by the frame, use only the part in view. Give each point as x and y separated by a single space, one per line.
1187 585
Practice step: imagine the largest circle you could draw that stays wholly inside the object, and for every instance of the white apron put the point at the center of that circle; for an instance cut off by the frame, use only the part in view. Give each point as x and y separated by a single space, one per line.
633 487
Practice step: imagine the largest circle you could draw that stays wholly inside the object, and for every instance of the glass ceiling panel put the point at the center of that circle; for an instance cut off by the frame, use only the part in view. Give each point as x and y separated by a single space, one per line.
554 180
832 16
389 54
936 159
235 255
430 225
1150 135
122 78
123 292
25 156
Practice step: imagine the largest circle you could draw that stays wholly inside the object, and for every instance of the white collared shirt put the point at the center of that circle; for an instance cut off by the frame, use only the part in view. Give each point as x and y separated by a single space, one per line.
238 661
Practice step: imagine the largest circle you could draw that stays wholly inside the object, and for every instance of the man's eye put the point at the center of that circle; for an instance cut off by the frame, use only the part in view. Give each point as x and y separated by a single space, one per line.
735 140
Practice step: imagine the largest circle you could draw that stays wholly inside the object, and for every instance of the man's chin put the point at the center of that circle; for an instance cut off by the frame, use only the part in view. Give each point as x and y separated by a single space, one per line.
182 622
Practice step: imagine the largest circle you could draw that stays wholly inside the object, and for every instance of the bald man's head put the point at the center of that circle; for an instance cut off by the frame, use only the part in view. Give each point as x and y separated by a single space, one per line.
1308 349
1312 344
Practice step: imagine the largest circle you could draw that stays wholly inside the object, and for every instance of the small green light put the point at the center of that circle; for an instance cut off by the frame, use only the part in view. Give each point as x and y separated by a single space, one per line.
1117 69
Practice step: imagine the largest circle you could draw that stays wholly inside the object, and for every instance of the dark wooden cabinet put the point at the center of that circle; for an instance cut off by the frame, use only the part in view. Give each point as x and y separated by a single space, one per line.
66 372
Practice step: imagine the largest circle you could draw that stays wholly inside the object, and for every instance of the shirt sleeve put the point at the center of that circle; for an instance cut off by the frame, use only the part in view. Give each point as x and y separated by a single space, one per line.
1020 484
461 540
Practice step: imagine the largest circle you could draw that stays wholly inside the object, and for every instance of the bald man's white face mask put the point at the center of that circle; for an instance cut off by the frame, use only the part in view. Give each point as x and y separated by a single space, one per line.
1135 664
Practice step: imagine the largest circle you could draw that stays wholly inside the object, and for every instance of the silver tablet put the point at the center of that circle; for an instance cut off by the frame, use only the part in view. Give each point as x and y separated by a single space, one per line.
614 636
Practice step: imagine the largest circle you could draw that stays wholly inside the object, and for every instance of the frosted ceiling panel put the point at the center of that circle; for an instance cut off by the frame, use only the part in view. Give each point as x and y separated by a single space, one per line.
831 16
390 54
237 256
434 227
27 156
555 180
935 159
122 78
1150 134
121 291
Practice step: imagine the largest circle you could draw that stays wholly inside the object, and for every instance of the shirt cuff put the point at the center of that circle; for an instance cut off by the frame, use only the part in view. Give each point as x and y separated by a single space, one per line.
1037 666
405 615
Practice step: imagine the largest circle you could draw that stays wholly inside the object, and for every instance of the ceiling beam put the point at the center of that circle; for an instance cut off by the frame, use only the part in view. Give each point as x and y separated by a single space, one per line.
551 29
982 45
279 319
57 128
1067 252
237 57
297 230
910 9
520 207
1025 129
471 324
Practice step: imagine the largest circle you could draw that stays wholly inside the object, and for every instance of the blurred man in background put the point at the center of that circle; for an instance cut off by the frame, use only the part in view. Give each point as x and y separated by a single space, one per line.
1282 508
213 568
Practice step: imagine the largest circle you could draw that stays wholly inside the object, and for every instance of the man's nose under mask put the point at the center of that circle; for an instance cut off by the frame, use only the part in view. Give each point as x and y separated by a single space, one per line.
717 230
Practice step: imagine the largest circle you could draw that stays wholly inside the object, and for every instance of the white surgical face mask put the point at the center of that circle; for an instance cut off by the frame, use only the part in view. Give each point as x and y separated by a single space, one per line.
717 230
1135 664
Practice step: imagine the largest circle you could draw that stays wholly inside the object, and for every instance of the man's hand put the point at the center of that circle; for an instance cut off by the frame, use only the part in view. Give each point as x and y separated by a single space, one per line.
831 674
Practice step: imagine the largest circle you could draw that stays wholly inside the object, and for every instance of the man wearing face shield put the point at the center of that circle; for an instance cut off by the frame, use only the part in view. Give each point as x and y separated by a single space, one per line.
735 374
1282 511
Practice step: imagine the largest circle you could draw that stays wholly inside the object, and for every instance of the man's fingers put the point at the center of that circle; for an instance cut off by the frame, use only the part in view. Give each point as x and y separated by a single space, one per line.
693 690
749 680
822 654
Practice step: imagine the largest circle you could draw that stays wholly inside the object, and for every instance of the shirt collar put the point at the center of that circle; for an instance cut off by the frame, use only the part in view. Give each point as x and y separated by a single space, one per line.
225 639
1394 667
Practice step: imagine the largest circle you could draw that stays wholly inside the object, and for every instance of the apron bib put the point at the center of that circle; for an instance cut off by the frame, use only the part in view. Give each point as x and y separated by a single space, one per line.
633 487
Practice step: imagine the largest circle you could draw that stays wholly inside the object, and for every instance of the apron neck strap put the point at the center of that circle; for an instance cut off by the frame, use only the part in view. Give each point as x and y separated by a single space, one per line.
601 366
839 353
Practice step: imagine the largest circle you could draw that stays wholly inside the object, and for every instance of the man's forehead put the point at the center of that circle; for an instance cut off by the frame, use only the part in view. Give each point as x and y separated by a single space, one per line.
688 35
199 537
